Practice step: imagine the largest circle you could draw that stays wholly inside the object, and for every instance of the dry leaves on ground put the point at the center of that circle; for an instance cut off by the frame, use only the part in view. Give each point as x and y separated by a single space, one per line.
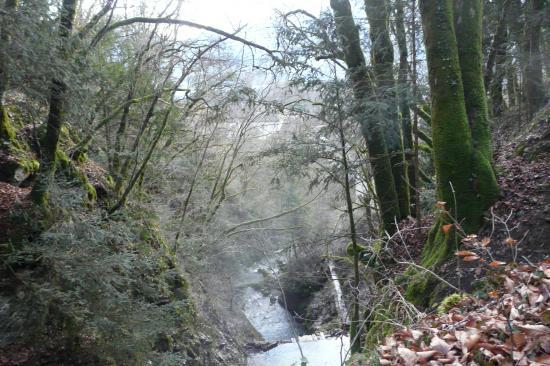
511 329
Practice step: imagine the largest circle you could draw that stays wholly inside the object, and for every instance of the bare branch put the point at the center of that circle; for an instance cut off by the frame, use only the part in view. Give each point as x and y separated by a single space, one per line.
227 232
186 23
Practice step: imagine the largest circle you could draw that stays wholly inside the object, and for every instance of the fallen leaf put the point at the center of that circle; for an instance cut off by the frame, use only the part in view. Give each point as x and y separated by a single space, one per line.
534 328
439 345
464 253
485 241
425 355
408 356
446 228
493 294
470 258
511 242
471 341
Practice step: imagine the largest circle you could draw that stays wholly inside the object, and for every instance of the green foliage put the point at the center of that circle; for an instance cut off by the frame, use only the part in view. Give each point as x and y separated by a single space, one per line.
87 284
75 174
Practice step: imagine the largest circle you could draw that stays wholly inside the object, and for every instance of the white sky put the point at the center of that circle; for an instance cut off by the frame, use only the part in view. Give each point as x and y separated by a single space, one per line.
257 15
228 15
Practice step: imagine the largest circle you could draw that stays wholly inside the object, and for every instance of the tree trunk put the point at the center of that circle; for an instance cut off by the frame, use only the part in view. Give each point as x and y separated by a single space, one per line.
55 116
355 326
468 17
497 44
6 131
404 87
371 128
494 70
382 61
461 139
498 105
535 93
512 84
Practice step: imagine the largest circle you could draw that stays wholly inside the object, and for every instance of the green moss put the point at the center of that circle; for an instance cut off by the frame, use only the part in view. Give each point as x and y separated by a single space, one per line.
449 302
90 191
30 166
7 130
349 249
80 156
377 246
425 148
62 160
422 288
110 181
419 287
440 245
151 234
460 131
381 323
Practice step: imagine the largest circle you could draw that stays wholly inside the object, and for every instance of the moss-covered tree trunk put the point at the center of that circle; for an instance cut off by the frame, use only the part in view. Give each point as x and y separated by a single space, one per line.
54 123
384 92
372 128
6 130
535 92
468 17
461 138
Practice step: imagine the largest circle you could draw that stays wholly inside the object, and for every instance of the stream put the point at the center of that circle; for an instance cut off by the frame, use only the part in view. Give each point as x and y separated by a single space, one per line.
275 324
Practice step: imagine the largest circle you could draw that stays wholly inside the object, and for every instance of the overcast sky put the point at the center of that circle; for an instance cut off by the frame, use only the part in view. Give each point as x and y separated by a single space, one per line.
257 15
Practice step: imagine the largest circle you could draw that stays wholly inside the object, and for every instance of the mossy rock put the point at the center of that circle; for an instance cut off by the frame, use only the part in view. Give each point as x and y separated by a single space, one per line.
17 160
449 302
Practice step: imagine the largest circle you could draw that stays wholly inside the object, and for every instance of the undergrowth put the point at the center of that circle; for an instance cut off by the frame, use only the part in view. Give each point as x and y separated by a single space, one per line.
99 290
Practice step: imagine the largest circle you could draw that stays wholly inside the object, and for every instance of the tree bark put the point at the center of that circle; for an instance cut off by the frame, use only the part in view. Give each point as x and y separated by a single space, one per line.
494 70
355 326
404 88
382 61
535 93
461 139
468 17
10 6
54 123
371 127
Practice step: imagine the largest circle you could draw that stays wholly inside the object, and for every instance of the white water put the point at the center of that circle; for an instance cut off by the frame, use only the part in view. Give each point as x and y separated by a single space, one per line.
318 351
340 305
273 323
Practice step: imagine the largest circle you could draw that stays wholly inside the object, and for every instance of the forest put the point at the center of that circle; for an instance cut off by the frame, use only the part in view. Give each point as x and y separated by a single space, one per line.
274 183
